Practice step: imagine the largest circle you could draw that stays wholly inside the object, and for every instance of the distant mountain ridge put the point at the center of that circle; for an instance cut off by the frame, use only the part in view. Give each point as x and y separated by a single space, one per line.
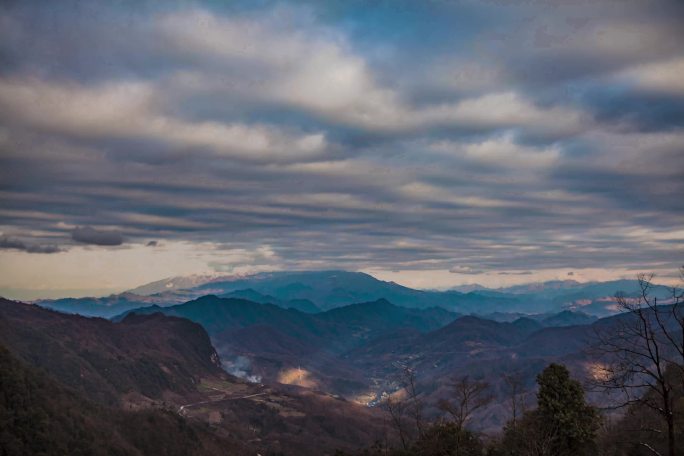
313 291
568 318
303 305
219 314
104 307
305 291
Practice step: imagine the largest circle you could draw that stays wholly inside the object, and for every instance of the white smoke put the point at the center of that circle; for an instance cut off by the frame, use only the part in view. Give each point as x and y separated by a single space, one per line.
240 367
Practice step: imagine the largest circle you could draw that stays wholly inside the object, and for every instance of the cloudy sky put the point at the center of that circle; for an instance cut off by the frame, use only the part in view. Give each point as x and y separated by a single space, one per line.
433 143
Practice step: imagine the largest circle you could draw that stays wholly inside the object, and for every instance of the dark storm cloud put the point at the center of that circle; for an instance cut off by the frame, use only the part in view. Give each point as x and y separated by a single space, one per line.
13 243
636 111
90 235
545 134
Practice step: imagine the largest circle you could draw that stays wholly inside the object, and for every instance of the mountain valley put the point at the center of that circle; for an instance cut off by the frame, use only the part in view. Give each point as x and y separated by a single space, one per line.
275 372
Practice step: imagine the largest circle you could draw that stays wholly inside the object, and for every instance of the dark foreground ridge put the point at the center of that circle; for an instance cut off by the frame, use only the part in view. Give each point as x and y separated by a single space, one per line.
144 379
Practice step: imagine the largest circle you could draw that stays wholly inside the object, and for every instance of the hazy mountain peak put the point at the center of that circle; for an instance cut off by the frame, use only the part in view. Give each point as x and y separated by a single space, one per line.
467 288
173 284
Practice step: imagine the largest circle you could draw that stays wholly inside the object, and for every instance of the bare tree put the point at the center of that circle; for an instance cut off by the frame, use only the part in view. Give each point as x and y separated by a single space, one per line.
397 411
408 408
469 396
539 441
642 349
416 405
516 391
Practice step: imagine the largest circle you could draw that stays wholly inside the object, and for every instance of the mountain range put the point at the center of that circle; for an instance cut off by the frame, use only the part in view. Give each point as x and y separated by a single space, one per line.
359 351
274 360
315 291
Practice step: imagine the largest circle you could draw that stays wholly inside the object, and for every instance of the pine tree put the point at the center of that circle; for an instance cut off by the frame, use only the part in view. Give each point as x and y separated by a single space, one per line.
562 425
562 407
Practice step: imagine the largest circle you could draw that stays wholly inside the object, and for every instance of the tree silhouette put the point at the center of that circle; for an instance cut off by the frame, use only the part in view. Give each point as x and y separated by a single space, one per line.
639 350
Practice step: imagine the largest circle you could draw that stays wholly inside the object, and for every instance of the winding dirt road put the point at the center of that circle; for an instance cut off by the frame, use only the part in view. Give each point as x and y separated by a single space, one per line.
183 408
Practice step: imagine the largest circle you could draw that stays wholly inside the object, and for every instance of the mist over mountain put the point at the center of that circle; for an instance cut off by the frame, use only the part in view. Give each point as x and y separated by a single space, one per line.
171 284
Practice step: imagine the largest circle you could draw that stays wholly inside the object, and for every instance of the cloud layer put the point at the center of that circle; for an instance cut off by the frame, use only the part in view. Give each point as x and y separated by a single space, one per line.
90 235
456 136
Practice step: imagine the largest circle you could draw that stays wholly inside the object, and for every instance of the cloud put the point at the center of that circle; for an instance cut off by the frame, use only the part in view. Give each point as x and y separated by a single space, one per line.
663 77
635 110
90 235
465 270
128 111
245 260
500 151
300 64
559 46
510 109
312 68
13 243
251 136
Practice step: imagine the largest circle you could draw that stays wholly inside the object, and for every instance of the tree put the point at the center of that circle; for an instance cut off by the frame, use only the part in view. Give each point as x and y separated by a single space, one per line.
397 412
406 408
640 430
562 425
469 396
561 405
516 390
442 437
447 439
639 350
531 436
416 404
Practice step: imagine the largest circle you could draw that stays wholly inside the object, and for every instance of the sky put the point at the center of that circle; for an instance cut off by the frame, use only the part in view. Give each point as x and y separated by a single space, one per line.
433 143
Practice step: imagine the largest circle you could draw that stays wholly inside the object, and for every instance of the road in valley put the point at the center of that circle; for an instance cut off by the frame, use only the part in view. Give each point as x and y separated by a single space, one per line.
183 408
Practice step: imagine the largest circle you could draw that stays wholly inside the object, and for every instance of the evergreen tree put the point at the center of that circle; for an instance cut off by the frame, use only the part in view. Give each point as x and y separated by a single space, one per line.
562 425
562 407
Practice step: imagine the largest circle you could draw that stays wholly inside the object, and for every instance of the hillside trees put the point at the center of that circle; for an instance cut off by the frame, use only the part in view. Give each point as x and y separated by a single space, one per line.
639 432
39 416
563 424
